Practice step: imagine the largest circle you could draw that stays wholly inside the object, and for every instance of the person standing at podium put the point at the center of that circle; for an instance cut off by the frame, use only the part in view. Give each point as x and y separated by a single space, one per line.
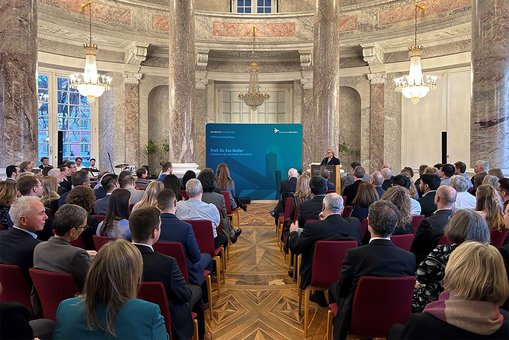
330 159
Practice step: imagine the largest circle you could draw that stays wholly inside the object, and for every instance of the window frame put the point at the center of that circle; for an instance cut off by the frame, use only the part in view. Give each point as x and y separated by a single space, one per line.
254 6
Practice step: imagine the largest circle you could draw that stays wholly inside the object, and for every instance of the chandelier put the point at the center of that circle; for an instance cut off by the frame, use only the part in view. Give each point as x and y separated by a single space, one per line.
416 85
253 97
90 84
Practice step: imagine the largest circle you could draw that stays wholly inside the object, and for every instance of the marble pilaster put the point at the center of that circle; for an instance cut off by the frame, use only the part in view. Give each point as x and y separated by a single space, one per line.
376 121
325 118
181 80
132 117
18 99
489 131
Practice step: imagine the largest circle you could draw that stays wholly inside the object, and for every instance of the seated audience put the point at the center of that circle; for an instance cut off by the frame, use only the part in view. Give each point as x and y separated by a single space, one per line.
464 200
497 172
224 182
108 306
129 183
414 193
173 183
427 187
109 182
399 196
149 198
26 166
377 180
348 179
57 254
351 190
50 194
481 170
85 198
166 169
326 174
445 173
490 206
503 191
460 169
310 210
187 176
465 225
8 194
332 227
65 182
432 228
405 182
388 178
11 173
302 194
475 285
366 195
145 227
491 180
142 180
116 222
380 258
286 189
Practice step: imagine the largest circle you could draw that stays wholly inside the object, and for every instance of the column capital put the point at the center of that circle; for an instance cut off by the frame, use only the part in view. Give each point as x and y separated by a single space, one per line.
202 60
373 54
377 78
132 77
135 53
306 59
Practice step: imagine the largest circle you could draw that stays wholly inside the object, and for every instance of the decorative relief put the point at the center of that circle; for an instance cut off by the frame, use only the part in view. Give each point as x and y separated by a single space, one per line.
132 77
348 23
161 23
112 14
233 29
373 54
202 59
136 53
377 78
306 60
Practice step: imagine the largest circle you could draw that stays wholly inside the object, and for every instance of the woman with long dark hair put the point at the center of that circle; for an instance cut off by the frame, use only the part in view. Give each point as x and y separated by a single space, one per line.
116 222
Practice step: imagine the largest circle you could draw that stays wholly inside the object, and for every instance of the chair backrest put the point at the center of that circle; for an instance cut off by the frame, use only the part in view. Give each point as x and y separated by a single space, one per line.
364 227
379 303
403 241
204 235
100 241
99 218
347 211
327 261
183 194
288 206
226 195
15 287
295 213
416 221
154 292
79 242
498 238
176 250
443 240
52 288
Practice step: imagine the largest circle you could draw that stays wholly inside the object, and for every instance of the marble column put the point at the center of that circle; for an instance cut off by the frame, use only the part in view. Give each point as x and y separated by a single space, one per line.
18 99
181 80
132 117
376 120
325 120
489 131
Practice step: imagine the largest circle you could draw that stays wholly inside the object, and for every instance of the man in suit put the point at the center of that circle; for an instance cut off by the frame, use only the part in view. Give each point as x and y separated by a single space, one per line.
351 190
326 174
388 178
66 181
377 179
129 183
378 258
57 254
427 187
286 189
77 179
11 172
332 227
481 169
330 159
17 244
175 230
30 186
109 182
145 226
348 179
310 210
432 228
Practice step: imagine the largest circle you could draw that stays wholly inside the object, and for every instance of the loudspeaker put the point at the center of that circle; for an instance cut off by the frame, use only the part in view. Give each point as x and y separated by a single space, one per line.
444 147
60 148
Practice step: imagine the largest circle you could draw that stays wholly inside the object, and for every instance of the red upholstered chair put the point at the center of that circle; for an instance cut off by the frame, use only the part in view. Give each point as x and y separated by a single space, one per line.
79 242
326 269
364 228
347 211
296 260
498 238
205 239
100 241
176 250
281 219
330 191
15 287
379 303
403 241
416 221
52 288
229 211
444 240
99 218
184 195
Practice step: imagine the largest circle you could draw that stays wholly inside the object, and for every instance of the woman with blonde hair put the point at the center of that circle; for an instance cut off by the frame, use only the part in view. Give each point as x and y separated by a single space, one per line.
149 199
302 194
8 194
108 306
50 196
400 197
490 206
475 285
224 182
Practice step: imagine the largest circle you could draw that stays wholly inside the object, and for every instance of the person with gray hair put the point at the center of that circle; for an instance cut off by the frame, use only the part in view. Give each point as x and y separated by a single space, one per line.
380 257
351 191
331 227
377 179
17 244
195 209
465 225
388 178
57 254
481 170
464 200
491 180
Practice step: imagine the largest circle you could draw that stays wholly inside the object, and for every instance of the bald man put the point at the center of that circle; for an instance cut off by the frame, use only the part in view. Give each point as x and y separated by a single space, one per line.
432 228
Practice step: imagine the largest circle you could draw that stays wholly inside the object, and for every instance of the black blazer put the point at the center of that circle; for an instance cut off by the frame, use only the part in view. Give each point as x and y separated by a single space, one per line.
334 227
288 186
17 247
427 202
333 161
428 234
350 191
378 258
310 210
162 268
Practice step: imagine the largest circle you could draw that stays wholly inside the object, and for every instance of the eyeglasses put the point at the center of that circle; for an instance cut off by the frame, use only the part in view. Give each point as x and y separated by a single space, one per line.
85 227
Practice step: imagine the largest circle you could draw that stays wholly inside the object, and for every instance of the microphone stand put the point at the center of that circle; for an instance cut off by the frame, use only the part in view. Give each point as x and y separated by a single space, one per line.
111 164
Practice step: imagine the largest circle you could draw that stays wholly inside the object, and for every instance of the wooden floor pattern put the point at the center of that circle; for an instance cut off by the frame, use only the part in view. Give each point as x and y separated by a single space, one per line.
259 300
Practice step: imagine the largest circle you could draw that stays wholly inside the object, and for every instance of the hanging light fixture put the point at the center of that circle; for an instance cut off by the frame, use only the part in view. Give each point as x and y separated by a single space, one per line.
415 86
253 97
90 84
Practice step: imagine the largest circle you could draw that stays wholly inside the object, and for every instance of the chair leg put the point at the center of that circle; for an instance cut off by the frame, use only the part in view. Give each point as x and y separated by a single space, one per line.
217 260
195 332
299 293
330 316
306 311
299 259
209 290
223 260
238 218
290 255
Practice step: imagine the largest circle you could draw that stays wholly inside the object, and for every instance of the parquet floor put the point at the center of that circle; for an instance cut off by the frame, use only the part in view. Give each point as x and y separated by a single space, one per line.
259 300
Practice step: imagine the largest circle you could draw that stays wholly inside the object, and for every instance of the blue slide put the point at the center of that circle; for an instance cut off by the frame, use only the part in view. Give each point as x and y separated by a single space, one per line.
258 155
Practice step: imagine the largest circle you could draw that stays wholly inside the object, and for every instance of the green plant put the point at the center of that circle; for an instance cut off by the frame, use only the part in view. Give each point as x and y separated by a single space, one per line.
348 150
166 147
151 147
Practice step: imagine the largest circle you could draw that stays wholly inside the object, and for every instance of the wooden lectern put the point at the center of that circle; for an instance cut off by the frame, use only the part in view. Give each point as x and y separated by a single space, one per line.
334 174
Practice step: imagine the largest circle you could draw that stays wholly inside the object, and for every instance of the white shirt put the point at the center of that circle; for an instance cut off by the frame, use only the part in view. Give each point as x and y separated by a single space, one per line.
416 207
464 200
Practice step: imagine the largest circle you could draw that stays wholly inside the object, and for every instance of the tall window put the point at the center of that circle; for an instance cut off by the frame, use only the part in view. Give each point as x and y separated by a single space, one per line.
65 114
254 6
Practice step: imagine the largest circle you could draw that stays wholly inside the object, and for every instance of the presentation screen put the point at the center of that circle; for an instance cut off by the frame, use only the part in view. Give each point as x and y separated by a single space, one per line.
258 155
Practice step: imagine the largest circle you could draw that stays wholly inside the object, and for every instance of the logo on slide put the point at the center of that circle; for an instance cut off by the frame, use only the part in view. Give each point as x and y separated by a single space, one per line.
276 130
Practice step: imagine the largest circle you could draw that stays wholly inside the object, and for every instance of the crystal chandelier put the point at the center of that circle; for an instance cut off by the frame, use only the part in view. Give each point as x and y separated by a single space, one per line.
253 97
90 84
415 86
